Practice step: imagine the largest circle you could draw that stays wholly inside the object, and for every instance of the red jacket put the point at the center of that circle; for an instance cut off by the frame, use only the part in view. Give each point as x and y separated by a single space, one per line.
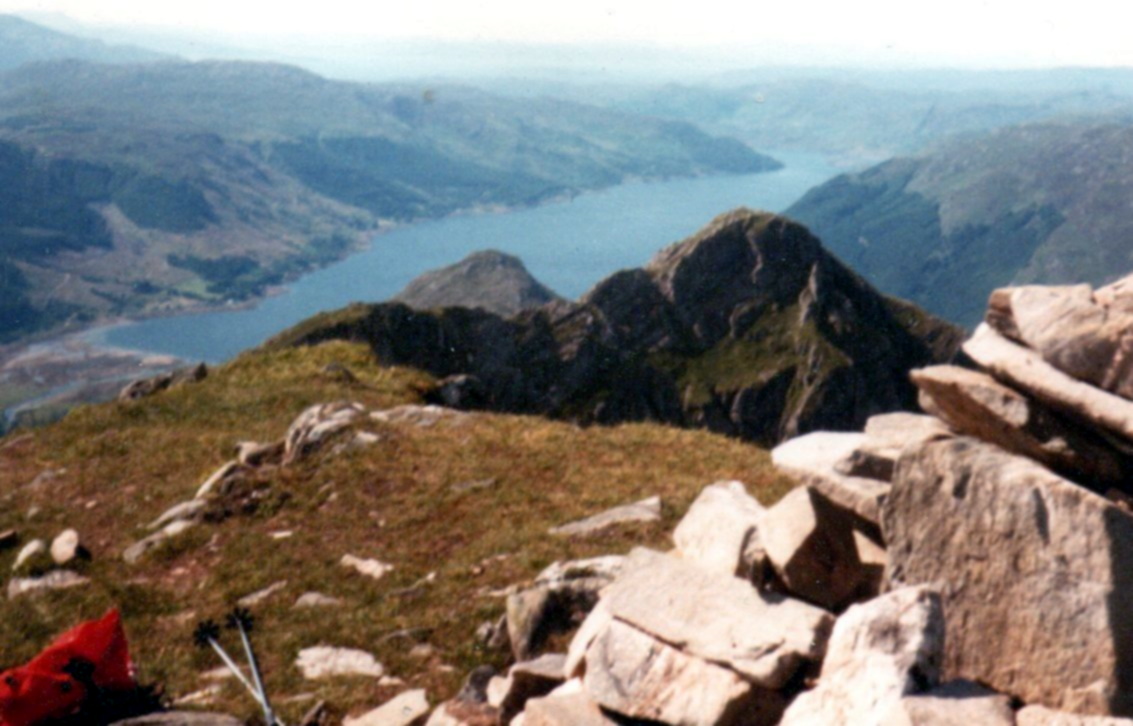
42 688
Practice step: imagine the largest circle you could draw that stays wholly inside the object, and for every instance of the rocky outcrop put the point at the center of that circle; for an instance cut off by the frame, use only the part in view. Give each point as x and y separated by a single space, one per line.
748 328
146 387
489 280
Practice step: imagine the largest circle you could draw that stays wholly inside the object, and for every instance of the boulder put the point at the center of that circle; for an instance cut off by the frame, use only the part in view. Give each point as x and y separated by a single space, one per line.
879 652
647 510
1036 573
720 532
1026 371
634 674
959 703
462 713
254 453
317 424
813 459
322 661
765 638
977 405
886 436
811 543
527 618
1040 716
1071 330
405 709
67 547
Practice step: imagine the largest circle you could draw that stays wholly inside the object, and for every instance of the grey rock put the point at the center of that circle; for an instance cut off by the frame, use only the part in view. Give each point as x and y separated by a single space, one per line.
527 611
254 453
216 480
142 547
570 709
813 546
68 547
1026 371
720 531
718 618
879 652
646 510
322 661
530 679
189 510
1033 570
316 600
632 673
977 405
36 549
148 386
1040 716
959 703
813 459
260 596
404 709
54 580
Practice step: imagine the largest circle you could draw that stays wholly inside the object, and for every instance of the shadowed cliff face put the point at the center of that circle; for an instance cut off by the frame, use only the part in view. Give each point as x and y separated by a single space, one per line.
748 328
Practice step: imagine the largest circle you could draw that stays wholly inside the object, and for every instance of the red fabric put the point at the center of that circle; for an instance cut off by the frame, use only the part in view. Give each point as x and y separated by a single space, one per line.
41 689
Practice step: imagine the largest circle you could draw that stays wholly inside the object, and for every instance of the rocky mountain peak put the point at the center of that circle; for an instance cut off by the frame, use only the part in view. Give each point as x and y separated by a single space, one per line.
489 279
748 327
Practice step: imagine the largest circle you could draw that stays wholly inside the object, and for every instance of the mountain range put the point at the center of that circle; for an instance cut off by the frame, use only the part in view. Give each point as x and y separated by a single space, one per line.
152 187
1039 203
748 328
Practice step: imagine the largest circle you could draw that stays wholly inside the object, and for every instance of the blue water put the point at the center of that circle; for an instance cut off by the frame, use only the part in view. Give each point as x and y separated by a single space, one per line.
568 246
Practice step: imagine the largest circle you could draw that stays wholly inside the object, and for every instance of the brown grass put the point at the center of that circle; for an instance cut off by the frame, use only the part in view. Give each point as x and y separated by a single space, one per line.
395 501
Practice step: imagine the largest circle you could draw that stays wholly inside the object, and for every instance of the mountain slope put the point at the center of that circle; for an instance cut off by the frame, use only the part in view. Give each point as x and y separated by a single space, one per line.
748 328
1045 203
489 280
22 42
150 188
427 499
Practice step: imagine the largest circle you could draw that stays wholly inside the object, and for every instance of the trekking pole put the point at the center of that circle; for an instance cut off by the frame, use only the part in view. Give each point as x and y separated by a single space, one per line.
206 634
242 620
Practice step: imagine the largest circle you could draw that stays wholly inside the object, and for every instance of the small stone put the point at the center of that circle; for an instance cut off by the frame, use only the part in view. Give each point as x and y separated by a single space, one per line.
34 549
260 595
181 718
324 661
54 580
368 567
316 600
403 710
646 510
66 548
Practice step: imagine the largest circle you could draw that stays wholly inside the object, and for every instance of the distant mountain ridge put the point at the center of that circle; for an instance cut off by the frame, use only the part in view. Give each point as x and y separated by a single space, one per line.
489 280
22 41
748 328
1041 203
173 185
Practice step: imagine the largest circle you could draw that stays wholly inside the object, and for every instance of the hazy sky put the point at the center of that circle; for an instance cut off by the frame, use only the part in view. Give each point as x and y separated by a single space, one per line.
898 32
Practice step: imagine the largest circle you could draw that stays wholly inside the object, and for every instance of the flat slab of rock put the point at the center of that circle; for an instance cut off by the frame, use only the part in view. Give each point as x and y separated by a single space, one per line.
405 709
813 459
1026 371
647 510
576 709
316 600
1074 332
976 404
1035 570
54 580
721 619
720 532
1040 716
323 661
959 703
634 674
880 651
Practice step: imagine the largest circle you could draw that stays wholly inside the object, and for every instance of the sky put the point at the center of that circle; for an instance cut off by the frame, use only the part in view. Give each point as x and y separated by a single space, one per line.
970 33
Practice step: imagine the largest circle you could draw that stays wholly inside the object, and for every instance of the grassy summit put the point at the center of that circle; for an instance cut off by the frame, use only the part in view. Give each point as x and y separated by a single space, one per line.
115 467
